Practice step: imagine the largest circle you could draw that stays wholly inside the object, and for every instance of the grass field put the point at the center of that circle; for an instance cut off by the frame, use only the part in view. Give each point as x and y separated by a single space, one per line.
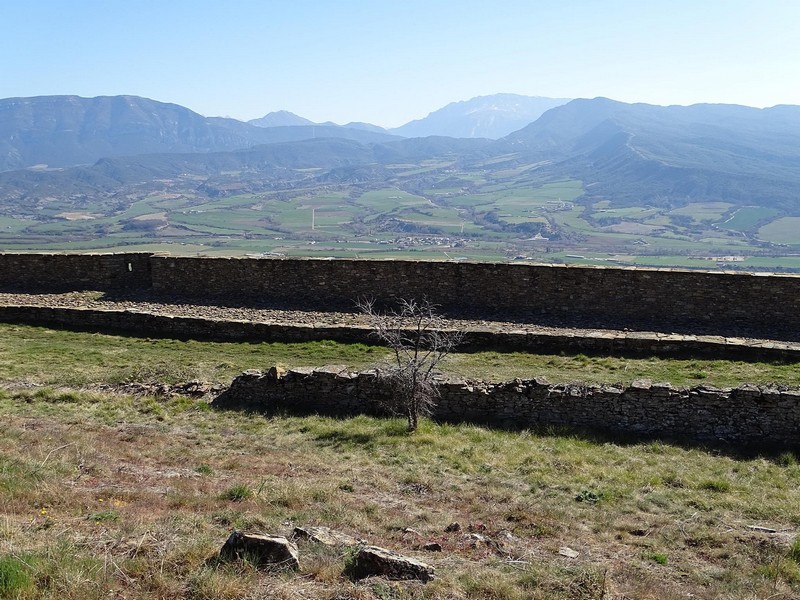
108 495
703 211
41 356
782 231
747 217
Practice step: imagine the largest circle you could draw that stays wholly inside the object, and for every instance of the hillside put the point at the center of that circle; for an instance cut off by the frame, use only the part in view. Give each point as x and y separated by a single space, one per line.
671 155
61 131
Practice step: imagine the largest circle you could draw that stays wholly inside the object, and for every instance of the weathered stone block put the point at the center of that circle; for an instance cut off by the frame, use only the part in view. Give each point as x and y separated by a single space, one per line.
261 550
372 560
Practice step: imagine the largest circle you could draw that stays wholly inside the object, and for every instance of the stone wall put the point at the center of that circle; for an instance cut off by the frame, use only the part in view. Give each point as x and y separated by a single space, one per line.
141 323
596 296
663 299
68 272
748 414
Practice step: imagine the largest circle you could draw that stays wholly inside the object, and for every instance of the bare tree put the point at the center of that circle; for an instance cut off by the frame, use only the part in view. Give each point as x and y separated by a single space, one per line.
419 340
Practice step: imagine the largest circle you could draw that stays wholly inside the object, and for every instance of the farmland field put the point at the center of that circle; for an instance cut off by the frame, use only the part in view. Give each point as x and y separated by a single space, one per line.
703 211
782 231
747 217
435 210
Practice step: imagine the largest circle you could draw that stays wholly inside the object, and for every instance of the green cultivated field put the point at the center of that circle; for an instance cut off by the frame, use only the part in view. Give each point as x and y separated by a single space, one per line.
746 218
782 231
498 210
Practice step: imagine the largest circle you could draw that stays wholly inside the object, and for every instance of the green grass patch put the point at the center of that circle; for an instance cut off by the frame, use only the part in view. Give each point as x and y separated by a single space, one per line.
238 493
56 357
15 577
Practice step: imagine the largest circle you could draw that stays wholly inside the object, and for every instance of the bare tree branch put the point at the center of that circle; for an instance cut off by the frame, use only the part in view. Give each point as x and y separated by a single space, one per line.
419 341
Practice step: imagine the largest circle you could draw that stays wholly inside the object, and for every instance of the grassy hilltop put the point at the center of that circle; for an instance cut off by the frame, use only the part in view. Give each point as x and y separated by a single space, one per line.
108 494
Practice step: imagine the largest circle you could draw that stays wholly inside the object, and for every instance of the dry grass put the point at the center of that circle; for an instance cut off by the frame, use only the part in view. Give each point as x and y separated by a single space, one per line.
111 496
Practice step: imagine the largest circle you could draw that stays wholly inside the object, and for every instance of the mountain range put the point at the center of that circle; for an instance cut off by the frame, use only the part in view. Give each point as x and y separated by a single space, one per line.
490 117
626 153
668 154
59 131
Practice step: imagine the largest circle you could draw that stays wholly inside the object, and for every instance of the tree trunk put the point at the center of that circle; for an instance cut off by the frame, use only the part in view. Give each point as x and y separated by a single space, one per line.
412 420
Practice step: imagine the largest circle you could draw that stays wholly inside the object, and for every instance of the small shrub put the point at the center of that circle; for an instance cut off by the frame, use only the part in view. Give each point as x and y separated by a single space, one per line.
794 550
204 469
349 560
238 493
588 496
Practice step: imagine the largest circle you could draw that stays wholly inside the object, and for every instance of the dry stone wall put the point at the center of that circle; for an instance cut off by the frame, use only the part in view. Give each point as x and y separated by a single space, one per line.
615 343
748 414
598 296
68 272
732 304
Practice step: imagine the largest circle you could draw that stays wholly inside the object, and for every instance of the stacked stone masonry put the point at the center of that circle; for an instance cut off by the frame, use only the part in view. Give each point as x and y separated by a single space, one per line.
631 343
747 414
746 303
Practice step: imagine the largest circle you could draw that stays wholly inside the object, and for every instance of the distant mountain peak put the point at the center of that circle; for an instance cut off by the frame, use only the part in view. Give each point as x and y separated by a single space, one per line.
483 116
280 118
365 126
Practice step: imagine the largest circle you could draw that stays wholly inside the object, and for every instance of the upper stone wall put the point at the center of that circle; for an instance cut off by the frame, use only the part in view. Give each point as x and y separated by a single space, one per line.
593 296
663 299
68 272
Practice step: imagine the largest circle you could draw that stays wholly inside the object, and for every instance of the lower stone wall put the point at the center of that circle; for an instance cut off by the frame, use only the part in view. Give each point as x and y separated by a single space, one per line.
605 343
747 414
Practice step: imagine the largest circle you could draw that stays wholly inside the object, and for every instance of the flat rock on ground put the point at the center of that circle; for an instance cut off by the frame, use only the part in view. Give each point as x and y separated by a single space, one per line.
262 550
325 535
375 561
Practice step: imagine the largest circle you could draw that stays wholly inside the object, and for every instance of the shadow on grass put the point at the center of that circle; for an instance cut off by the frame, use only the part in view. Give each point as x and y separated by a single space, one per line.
345 430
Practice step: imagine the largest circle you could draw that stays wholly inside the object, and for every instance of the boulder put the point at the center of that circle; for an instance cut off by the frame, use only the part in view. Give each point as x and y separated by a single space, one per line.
372 560
261 550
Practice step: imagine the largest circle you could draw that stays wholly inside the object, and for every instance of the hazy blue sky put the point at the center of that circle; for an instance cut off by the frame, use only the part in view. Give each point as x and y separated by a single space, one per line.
388 62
